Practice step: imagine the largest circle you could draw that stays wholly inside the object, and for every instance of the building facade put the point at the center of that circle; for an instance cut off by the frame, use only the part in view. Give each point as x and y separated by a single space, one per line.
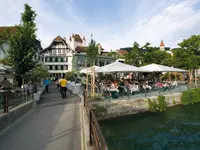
12 30
57 57
64 55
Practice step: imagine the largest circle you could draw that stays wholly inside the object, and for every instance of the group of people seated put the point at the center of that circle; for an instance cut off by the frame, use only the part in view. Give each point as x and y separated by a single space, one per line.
125 86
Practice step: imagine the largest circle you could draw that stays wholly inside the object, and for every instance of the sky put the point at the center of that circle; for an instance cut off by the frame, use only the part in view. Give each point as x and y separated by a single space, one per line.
113 23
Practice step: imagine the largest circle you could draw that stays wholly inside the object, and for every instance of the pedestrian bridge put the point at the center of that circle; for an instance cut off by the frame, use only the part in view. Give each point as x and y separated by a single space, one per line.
55 124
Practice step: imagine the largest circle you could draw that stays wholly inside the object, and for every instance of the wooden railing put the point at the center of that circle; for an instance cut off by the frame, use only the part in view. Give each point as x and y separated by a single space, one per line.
96 137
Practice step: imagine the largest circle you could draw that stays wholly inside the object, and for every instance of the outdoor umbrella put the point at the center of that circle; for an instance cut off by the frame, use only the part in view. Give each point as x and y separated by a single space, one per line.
119 67
160 68
85 70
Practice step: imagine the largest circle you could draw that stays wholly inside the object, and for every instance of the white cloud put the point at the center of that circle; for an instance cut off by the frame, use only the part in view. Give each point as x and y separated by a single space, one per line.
146 22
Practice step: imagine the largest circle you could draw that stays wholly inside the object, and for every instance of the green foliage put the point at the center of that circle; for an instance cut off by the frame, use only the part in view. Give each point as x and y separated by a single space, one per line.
152 105
69 74
146 54
162 104
5 61
190 96
99 110
92 52
38 73
157 105
22 44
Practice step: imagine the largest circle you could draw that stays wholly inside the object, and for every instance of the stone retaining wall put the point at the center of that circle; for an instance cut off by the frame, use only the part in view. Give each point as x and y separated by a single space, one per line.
106 110
15 113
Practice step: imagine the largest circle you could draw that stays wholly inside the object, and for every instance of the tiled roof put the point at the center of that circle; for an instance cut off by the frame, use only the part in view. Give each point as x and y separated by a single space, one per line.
58 39
77 38
81 49
12 29
162 44
122 52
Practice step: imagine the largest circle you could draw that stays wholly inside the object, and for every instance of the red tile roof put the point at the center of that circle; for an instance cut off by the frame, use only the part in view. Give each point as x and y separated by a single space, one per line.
162 44
122 52
58 38
77 38
81 49
11 29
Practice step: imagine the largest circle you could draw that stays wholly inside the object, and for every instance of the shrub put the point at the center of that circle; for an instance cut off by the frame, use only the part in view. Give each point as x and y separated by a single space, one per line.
152 105
162 104
191 96
157 105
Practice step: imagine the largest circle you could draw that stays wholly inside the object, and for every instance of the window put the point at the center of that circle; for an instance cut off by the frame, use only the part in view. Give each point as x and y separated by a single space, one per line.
59 51
50 67
50 59
63 51
66 59
56 67
46 59
56 59
61 67
61 59
66 67
54 51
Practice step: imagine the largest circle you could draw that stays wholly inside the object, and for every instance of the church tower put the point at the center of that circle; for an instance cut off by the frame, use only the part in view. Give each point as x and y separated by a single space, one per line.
162 46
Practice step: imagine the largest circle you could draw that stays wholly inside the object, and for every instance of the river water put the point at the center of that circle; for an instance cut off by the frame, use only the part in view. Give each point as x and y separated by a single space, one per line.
176 129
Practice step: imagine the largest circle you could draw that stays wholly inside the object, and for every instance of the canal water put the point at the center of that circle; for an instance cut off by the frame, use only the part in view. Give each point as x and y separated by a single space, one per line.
176 129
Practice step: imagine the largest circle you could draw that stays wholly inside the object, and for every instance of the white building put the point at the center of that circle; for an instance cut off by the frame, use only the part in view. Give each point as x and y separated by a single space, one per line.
58 57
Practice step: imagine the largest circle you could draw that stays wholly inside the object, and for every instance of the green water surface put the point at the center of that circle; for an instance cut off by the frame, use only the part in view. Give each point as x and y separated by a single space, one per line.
176 129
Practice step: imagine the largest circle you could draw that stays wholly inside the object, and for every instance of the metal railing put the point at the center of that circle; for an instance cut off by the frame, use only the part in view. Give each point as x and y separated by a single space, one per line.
12 98
96 137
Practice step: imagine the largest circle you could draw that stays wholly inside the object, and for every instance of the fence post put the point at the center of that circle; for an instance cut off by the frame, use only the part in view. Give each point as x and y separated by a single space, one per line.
90 120
145 92
5 97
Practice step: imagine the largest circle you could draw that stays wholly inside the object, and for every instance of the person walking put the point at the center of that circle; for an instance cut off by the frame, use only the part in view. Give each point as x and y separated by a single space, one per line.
46 84
63 87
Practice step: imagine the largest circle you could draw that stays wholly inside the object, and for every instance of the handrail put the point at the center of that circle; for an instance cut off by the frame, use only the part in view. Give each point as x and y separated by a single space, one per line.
96 137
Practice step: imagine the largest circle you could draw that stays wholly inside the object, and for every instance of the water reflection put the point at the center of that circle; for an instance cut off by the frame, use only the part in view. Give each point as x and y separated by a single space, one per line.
178 129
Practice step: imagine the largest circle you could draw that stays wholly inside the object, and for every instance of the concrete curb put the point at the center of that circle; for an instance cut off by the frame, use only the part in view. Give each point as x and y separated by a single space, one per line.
84 128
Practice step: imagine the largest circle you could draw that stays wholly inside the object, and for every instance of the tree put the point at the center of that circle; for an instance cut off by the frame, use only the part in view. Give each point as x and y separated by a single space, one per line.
92 52
188 55
38 73
135 56
22 44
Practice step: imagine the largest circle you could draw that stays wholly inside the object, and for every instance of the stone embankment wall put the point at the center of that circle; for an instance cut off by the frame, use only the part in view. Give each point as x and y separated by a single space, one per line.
106 110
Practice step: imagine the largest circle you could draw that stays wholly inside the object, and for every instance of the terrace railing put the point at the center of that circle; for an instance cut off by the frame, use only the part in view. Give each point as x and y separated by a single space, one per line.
96 137
13 98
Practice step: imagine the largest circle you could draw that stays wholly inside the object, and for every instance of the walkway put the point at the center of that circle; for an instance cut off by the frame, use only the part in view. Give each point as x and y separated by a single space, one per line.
54 125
